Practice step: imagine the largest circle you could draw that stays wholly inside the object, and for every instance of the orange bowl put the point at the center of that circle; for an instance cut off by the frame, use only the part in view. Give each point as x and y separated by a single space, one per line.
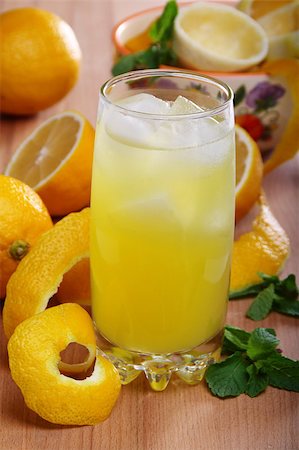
263 103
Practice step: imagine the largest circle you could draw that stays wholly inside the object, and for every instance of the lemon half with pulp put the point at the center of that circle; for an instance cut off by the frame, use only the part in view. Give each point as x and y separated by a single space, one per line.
282 28
56 160
218 37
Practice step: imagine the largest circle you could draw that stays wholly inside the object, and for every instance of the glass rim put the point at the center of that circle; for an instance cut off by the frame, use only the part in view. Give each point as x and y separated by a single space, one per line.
138 74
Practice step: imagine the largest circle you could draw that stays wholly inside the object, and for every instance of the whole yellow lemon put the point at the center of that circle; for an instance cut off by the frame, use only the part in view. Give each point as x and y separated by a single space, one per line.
40 60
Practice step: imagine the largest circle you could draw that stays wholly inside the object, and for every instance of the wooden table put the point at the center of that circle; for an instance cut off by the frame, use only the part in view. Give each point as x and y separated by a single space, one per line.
181 417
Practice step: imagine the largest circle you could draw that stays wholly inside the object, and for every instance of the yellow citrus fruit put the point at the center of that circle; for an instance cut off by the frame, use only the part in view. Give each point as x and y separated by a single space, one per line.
263 249
282 29
286 72
75 286
56 161
249 172
218 37
40 59
23 218
258 8
34 355
39 274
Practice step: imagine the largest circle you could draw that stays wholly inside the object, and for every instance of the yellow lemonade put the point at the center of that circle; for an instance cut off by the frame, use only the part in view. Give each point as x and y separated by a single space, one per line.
161 231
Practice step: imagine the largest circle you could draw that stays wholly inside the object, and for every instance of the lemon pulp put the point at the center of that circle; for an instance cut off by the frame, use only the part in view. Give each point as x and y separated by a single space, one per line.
218 37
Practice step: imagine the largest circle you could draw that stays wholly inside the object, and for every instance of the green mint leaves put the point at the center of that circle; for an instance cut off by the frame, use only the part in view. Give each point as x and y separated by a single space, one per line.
162 28
256 382
228 378
272 294
160 52
151 58
261 343
254 364
262 304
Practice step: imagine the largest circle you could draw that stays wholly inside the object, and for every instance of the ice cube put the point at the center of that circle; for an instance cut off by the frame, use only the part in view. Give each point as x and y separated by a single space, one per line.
131 129
189 132
183 134
145 103
184 106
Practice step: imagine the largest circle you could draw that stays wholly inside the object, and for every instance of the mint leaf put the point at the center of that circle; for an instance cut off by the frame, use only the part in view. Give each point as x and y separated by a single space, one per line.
150 58
283 372
146 59
166 55
254 289
249 291
287 288
125 64
255 365
283 306
160 52
272 294
228 378
262 304
239 95
234 339
162 28
261 343
258 381
268 278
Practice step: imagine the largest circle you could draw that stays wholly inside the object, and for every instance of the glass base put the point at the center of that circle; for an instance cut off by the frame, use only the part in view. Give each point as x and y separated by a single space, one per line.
189 366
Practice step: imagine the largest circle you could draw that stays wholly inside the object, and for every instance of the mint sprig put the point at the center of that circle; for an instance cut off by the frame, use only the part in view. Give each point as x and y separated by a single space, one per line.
282 372
257 381
272 294
254 364
160 51
228 378
262 343
162 28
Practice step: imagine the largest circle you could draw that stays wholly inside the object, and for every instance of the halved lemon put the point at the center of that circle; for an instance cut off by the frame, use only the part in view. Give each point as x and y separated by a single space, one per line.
259 8
262 7
282 28
249 172
217 37
56 160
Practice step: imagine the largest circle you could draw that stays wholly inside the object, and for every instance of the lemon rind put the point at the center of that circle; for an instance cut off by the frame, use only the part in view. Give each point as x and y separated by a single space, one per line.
200 58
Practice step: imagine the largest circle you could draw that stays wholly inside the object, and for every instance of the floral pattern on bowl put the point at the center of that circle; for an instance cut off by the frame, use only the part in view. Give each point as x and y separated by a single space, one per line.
258 110
262 107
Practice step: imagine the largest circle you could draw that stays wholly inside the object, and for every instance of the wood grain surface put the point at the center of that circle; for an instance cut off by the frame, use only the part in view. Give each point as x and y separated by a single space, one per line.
182 417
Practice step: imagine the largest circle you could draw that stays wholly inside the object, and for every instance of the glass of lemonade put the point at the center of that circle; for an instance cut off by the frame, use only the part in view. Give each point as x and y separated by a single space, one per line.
162 221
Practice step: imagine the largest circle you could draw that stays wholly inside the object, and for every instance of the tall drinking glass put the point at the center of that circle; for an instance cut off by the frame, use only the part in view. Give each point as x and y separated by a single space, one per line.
162 220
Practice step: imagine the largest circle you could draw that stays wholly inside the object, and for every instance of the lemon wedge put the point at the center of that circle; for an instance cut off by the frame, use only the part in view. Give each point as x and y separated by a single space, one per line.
218 37
282 29
55 160
249 172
